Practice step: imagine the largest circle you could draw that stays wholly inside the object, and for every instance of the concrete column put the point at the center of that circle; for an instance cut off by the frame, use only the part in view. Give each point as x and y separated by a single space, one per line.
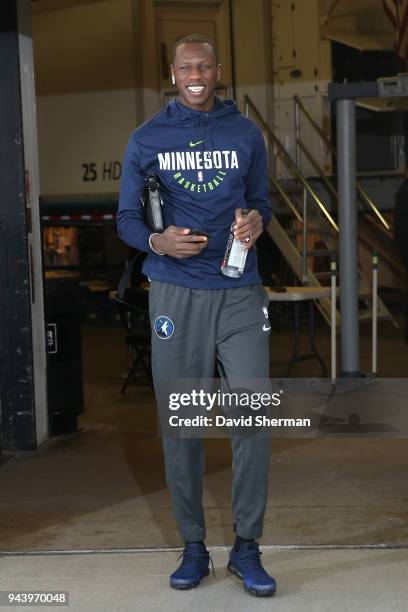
23 399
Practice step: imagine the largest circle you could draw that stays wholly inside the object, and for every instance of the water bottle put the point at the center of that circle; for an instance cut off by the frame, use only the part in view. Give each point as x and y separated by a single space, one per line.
233 263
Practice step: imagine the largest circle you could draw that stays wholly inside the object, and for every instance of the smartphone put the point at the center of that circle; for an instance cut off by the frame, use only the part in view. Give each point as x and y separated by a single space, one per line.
197 232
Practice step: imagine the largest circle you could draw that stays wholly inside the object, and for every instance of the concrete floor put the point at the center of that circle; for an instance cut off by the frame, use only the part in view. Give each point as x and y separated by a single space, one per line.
312 581
103 488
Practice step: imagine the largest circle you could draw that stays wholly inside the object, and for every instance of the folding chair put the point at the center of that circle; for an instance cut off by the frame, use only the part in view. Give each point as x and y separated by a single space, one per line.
134 314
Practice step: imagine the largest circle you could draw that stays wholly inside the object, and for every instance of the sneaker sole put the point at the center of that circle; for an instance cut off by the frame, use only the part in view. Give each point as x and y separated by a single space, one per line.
186 587
233 570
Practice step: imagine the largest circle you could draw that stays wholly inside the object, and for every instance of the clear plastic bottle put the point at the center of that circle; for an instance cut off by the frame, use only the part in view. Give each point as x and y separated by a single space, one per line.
234 259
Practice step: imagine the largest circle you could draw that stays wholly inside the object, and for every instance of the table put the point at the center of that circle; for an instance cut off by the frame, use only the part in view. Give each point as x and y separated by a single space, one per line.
96 286
296 295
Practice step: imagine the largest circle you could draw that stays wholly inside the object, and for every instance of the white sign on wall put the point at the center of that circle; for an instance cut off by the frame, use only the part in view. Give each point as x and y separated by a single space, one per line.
82 139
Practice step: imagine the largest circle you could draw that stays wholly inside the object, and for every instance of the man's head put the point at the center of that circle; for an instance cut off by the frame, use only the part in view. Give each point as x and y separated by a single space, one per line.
195 71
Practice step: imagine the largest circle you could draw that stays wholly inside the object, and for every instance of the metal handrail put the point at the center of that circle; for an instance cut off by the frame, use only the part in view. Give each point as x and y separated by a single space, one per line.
360 189
389 233
364 195
317 127
289 161
285 197
319 169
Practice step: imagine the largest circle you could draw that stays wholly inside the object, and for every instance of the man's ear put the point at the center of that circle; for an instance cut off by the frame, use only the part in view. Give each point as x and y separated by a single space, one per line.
173 78
218 72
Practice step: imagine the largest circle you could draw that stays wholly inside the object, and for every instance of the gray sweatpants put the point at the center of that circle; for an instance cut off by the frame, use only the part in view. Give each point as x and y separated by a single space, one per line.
228 325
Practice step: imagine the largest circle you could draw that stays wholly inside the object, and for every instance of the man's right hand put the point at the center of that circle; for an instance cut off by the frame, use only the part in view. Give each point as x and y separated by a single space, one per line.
177 242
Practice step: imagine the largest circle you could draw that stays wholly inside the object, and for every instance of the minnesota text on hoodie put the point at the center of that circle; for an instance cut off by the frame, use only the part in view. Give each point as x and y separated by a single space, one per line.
209 164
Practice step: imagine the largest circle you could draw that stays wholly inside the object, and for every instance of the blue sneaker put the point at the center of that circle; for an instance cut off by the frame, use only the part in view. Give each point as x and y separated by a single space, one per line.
193 567
246 564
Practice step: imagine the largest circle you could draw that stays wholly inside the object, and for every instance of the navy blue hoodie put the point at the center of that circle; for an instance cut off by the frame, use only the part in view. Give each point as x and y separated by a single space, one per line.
209 164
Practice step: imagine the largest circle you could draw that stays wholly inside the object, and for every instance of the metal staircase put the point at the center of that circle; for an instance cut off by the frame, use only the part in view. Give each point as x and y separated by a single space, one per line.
307 235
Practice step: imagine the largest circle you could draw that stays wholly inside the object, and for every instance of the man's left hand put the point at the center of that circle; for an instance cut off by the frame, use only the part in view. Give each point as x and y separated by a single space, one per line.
251 226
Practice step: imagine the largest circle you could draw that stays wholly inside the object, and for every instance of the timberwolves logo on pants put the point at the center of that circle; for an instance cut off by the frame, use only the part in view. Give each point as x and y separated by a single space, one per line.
164 327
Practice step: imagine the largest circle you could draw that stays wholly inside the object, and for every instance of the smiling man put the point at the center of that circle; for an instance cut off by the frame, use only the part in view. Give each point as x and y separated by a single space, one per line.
211 162
196 71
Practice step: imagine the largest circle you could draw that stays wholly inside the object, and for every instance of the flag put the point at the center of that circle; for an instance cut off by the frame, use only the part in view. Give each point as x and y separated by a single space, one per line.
397 12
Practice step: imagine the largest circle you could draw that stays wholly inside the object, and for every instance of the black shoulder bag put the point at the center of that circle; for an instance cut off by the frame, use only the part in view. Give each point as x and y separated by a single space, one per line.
152 204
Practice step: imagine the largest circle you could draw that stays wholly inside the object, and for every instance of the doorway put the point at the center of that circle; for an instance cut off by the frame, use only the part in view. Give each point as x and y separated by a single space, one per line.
172 21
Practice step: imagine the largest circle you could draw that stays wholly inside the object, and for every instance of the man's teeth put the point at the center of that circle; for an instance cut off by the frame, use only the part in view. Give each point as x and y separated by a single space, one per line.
196 89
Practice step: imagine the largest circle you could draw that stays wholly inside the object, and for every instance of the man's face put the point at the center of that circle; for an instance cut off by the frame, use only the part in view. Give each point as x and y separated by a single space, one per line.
196 73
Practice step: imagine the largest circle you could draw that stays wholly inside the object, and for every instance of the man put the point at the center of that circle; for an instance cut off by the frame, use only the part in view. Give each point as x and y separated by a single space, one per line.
211 162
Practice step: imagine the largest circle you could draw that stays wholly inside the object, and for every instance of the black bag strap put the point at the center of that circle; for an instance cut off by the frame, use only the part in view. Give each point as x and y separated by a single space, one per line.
152 185
126 276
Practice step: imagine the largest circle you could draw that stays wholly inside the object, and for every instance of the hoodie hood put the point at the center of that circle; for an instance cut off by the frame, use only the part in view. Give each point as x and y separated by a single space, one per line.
197 121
